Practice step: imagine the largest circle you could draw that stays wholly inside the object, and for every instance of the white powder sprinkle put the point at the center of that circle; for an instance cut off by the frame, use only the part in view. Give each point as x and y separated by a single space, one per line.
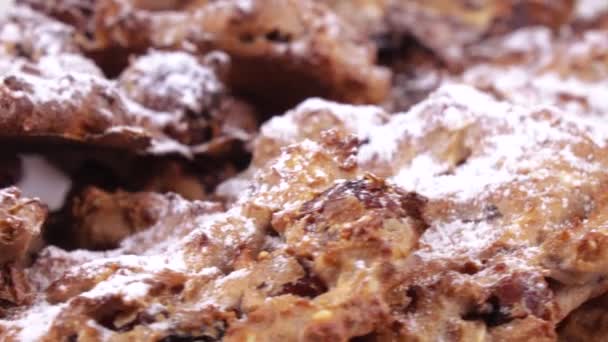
36 322
589 9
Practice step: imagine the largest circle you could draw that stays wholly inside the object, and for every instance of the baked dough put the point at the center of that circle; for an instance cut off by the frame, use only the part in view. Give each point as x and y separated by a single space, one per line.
476 215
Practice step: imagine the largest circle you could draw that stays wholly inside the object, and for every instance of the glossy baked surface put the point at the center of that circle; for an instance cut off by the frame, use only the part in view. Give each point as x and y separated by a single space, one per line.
299 170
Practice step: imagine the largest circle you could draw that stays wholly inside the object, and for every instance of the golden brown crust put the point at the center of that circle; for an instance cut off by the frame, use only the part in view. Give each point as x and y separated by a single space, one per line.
537 67
203 112
71 106
448 28
352 236
222 259
467 218
587 323
101 220
15 290
368 15
293 48
53 94
493 285
21 220
365 256
358 254
20 223
310 46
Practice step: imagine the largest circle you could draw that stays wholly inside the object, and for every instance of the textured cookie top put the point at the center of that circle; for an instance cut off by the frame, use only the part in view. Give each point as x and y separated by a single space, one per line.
475 215
470 210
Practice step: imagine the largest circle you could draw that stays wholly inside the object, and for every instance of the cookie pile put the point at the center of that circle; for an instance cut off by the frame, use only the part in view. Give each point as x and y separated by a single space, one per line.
304 170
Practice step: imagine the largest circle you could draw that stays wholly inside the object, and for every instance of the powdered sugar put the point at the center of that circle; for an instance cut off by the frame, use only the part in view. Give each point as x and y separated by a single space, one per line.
589 9
246 6
541 78
171 81
129 285
513 136
37 34
64 88
282 128
358 120
529 39
36 322
56 66
454 238
460 148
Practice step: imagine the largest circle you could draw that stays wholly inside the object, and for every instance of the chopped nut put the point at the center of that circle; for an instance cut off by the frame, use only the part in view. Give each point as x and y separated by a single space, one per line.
322 315
263 255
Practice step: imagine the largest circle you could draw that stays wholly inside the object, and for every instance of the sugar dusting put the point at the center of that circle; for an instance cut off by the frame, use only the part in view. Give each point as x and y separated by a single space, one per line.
66 81
41 58
43 35
130 285
509 144
564 71
590 9
506 144
495 160
355 119
37 322
174 81
133 272
453 238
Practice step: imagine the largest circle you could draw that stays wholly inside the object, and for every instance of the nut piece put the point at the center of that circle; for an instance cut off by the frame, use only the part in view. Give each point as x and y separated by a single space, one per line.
322 315
102 219
20 223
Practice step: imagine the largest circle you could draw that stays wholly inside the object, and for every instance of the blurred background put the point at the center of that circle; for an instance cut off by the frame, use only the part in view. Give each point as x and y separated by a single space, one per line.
4 4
